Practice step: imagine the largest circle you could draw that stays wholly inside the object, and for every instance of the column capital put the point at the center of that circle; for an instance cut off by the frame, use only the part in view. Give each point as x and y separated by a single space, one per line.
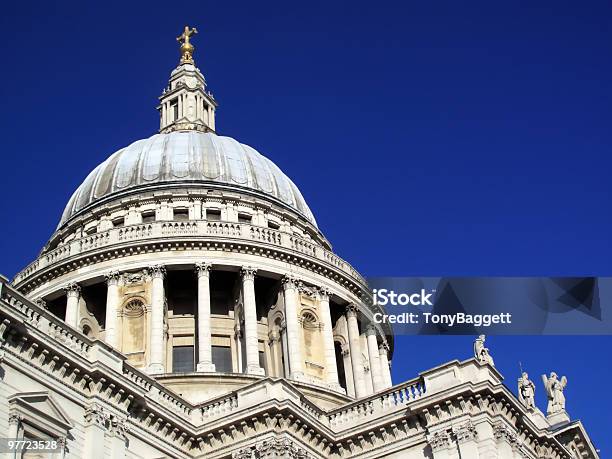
157 271
371 330
248 272
324 293
383 348
203 268
351 310
113 277
289 282
14 419
72 289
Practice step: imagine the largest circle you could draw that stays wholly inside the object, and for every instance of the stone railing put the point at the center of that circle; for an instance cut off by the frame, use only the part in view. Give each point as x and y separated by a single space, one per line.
44 321
220 406
181 229
382 402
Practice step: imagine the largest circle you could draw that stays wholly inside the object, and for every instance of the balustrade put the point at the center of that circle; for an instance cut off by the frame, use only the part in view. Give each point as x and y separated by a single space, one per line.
197 228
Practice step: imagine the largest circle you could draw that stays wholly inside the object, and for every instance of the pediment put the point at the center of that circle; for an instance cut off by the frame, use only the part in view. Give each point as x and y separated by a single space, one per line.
41 410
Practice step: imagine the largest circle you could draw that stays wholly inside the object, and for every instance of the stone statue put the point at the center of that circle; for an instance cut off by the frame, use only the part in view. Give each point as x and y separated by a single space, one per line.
554 390
526 391
481 352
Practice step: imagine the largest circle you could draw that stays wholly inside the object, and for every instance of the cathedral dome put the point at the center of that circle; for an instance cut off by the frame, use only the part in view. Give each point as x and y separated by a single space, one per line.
186 158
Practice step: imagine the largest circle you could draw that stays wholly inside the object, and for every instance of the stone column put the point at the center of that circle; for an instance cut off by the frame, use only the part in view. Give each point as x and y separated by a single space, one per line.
14 423
157 319
296 360
355 349
73 294
285 349
466 437
348 370
205 363
383 354
95 427
442 445
113 302
250 321
328 339
118 438
375 371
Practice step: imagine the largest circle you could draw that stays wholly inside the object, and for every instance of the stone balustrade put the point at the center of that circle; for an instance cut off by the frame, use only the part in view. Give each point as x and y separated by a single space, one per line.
382 402
179 229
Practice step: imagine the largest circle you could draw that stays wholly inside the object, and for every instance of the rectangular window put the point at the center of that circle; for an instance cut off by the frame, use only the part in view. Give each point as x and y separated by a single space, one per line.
244 218
181 214
182 359
118 222
148 216
273 225
222 358
213 215
174 107
92 230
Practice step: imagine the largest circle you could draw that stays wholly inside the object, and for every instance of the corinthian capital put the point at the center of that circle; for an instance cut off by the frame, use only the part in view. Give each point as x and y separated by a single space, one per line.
203 268
157 271
72 289
351 309
113 277
289 282
248 272
324 293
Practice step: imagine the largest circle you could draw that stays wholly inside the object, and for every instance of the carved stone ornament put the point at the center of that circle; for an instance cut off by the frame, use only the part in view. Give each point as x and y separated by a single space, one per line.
248 273
289 282
73 289
502 432
273 447
95 414
113 277
465 432
136 278
439 441
157 271
203 268
351 309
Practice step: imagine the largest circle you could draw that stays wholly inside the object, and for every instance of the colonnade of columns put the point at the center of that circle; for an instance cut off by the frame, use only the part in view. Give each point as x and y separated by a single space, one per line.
288 344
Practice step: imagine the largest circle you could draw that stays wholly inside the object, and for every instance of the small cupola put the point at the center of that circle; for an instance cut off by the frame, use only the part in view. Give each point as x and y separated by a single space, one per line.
186 104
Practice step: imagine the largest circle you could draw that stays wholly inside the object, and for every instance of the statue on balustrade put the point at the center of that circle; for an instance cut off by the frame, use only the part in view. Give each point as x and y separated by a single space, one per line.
526 391
481 353
554 390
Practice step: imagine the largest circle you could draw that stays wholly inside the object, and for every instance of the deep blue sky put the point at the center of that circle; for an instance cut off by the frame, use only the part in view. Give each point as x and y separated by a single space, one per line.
429 138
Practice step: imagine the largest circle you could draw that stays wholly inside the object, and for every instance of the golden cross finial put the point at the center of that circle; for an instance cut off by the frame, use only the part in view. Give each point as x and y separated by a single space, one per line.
187 48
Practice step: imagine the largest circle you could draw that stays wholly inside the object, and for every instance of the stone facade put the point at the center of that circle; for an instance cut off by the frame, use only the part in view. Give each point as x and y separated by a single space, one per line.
188 306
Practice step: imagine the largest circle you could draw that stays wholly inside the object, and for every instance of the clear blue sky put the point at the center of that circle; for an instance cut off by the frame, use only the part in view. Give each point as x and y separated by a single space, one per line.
429 138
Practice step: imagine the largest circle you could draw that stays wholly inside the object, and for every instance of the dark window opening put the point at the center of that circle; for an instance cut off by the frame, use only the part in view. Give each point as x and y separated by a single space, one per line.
182 359
340 365
244 218
221 287
148 217
118 222
91 231
213 215
222 358
174 107
181 214
182 292
273 225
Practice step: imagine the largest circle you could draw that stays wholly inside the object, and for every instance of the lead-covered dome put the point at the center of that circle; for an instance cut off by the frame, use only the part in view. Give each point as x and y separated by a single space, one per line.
185 157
